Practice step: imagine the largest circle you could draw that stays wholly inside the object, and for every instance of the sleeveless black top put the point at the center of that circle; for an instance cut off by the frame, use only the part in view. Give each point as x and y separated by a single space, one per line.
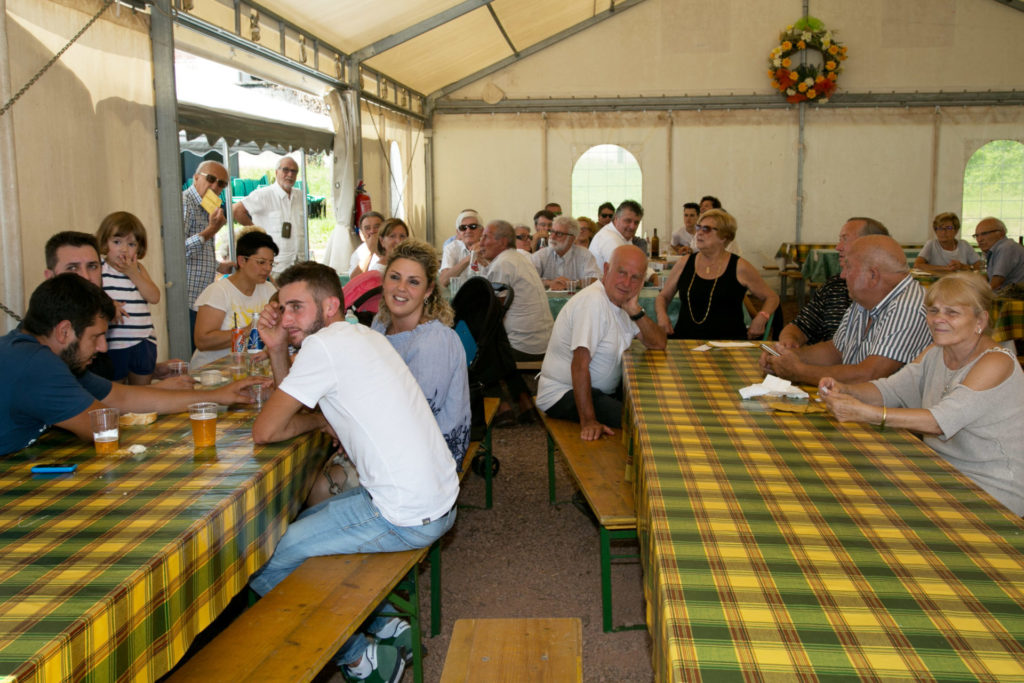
710 309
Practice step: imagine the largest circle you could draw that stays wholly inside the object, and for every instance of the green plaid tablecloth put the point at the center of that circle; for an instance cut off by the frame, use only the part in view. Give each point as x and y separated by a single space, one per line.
780 546
111 572
1008 319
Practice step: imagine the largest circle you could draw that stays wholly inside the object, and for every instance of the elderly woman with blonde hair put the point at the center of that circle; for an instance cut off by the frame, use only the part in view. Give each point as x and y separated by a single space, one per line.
964 393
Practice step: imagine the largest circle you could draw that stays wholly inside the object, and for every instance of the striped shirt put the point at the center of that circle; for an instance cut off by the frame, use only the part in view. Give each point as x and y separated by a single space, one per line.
820 318
895 328
136 324
200 259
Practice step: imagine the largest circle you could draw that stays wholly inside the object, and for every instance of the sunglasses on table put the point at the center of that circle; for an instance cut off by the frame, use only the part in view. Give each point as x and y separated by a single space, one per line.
214 180
471 226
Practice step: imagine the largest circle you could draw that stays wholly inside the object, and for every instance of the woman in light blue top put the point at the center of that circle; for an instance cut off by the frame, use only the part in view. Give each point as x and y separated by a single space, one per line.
964 393
945 253
417 321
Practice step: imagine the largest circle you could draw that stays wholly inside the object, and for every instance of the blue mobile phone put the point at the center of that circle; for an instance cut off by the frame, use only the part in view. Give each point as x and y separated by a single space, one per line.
54 467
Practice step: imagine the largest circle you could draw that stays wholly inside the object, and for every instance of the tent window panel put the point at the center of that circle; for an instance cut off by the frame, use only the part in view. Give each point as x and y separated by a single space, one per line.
994 186
604 173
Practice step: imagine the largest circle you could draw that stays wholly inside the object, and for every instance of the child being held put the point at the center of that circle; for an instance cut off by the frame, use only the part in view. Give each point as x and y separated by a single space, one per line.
132 341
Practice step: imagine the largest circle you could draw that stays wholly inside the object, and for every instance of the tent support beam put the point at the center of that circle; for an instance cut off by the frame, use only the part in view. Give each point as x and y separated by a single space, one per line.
700 102
419 29
504 33
172 221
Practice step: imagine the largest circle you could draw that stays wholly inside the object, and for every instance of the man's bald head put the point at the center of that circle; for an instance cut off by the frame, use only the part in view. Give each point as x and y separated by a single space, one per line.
210 175
874 266
624 274
881 252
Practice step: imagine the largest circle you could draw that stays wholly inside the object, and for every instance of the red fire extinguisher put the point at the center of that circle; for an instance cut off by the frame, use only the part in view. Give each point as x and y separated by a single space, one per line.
362 205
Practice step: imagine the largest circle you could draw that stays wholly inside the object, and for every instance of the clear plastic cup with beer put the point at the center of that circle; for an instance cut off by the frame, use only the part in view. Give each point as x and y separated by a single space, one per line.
105 430
204 424
177 368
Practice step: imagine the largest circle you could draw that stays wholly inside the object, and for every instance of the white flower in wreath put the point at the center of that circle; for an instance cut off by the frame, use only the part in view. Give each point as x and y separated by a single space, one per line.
809 81
825 43
776 62
806 35
790 91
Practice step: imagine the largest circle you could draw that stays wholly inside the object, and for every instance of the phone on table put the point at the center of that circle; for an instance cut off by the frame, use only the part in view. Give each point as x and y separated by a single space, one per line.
770 350
54 467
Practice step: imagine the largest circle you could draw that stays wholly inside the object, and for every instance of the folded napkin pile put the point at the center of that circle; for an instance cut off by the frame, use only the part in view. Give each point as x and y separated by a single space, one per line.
773 386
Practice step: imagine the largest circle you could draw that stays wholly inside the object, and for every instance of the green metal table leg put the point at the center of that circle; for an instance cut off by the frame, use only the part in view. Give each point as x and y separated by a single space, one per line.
410 607
606 577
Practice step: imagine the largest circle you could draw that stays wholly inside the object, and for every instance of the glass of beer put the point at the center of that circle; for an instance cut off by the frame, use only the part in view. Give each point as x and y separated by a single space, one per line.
204 424
105 430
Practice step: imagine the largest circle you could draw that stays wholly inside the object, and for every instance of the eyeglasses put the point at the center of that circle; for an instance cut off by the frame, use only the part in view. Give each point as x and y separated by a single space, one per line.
558 233
705 228
525 238
261 261
214 180
607 215
471 226
982 234
289 171
946 228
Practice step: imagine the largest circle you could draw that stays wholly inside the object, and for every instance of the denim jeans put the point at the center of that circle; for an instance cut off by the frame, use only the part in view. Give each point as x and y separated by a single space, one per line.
341 525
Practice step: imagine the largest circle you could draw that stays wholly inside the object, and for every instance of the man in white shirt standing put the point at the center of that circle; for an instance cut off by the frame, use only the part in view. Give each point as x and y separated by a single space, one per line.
582 371
620 231
278 209
407 479
562 261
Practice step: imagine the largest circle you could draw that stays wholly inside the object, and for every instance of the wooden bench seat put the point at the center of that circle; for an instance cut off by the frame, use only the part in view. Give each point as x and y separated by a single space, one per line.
599 470
294 631
535 650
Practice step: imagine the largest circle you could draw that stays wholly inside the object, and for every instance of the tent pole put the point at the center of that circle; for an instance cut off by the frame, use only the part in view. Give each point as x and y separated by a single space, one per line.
801 110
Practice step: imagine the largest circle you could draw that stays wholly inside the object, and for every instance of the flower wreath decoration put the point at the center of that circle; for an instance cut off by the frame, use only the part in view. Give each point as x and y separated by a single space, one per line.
806 80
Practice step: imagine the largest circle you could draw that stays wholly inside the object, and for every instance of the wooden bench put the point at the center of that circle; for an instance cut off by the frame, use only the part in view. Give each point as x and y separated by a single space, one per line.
599 470
535 650
293 632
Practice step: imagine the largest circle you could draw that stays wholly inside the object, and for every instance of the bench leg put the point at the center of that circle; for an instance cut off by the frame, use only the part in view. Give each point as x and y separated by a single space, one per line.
410 607
435 588
606 577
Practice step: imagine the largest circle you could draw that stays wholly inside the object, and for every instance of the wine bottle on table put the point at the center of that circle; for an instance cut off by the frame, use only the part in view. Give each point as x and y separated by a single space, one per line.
655 245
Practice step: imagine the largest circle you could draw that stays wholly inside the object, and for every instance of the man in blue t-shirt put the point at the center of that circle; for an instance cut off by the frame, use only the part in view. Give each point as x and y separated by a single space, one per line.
45 363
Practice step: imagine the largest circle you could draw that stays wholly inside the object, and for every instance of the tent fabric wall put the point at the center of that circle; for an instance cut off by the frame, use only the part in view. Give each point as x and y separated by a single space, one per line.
12 290
84 131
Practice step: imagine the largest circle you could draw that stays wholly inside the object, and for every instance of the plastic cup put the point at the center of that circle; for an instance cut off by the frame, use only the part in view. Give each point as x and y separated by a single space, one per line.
237 372
105 430
177 368
572 286
204 424
259 393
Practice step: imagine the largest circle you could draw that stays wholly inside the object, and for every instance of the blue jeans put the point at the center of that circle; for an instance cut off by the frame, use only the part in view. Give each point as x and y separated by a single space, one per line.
342 525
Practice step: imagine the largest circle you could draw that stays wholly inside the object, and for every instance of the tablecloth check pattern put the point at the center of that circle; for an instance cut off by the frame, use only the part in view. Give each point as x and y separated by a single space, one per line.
791 547
109 573
1008 319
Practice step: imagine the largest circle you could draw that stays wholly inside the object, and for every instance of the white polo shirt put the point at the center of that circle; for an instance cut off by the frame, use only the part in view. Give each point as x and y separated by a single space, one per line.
528 323
590 320
377 409
270 207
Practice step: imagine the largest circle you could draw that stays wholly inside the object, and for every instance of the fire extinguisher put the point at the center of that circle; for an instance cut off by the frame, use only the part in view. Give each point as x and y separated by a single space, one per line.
362 205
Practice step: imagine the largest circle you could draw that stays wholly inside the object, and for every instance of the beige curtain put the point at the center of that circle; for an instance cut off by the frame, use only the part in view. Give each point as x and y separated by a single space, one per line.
12 290
343 239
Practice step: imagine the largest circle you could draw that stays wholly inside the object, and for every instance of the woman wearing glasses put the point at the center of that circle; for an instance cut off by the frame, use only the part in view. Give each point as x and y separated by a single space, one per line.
964 393
712 283
237 300
945 253
461 256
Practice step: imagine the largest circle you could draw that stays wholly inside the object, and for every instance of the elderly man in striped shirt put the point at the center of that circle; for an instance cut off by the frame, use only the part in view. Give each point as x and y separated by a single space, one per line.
883 329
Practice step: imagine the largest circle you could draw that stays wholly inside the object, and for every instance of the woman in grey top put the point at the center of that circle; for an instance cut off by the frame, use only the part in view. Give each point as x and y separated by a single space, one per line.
964 393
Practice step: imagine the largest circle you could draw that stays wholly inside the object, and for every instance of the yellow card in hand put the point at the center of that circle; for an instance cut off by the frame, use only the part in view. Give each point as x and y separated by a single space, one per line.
211 202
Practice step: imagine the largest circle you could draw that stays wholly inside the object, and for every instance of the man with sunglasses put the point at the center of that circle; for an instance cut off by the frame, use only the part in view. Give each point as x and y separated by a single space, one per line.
562 261
605 213
463 253
200 231
278 210
1003 257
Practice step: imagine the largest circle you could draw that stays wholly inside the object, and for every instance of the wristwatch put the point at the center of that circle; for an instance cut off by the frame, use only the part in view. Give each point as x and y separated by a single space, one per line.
639 315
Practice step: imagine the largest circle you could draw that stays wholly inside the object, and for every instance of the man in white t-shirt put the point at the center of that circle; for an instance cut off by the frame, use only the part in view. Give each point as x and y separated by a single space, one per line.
460 257
683 238
366 256
278 209
620 231
582 371
372 403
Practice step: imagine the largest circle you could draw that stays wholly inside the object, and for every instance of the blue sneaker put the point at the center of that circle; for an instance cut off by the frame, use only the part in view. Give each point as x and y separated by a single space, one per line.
398 634
380 664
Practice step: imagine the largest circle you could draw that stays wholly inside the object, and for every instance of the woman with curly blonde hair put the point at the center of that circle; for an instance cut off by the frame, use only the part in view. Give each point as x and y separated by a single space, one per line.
417 320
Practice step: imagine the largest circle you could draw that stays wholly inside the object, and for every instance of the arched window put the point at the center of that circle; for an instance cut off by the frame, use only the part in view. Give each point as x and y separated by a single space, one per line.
397 181
604 173
994 186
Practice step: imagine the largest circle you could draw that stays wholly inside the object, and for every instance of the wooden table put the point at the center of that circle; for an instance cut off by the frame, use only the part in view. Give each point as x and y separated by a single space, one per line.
779 546
112 571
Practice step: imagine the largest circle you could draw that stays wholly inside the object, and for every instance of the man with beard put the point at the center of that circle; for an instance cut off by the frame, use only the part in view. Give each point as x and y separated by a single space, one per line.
46 382
374 406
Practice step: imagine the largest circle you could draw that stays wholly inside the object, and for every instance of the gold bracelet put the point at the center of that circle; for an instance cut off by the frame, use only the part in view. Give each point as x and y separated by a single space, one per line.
882 425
